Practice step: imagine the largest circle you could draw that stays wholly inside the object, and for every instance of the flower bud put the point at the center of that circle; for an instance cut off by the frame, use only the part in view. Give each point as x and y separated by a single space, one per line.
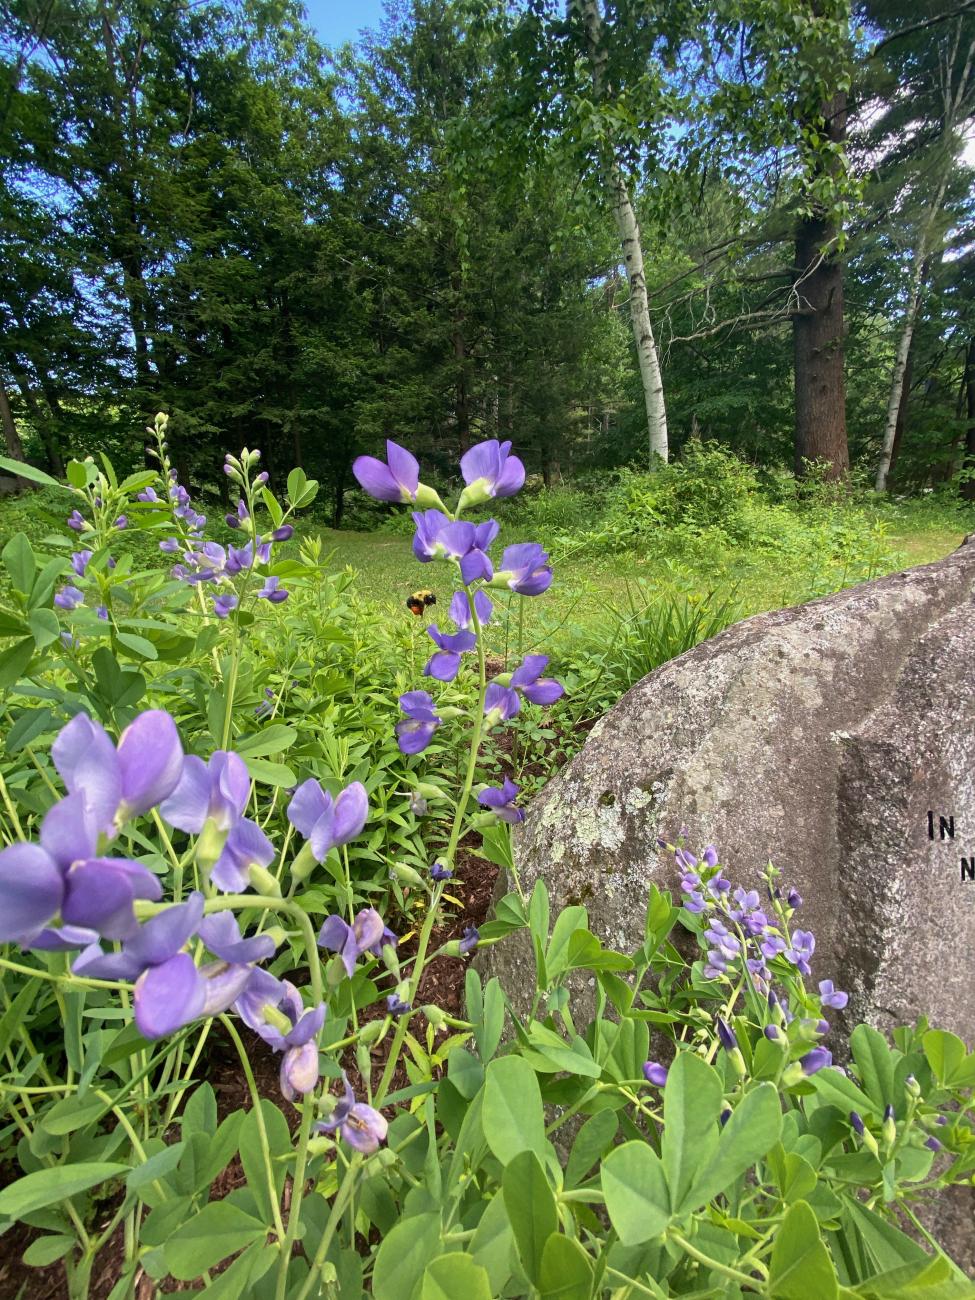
434 1016
406 874
889 1128
390 959
427 790
912 1087
373 1032
363 1060
335 972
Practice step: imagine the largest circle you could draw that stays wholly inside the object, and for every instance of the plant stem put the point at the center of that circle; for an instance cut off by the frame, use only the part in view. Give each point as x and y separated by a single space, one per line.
741 1278
297 1193
265 1145
334 1218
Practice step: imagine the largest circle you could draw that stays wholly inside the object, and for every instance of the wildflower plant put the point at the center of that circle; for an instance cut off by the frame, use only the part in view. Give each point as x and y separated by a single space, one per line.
668 1122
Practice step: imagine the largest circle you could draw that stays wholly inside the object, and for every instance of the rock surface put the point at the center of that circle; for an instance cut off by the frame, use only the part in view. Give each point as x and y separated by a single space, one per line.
819 736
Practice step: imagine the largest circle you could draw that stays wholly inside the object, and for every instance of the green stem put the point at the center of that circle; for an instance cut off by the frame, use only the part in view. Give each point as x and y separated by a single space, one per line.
338 1209
297 1193
262 1137
741 1278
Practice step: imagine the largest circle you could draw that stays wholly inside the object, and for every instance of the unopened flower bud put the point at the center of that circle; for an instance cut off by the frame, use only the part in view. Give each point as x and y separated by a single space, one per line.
427 790
912 1087
335 972
406 874
889 1128
434 1016
390 959
363 1060
262 477
373 1032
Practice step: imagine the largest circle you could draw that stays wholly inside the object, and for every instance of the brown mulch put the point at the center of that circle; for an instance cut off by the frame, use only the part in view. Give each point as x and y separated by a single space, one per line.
442 984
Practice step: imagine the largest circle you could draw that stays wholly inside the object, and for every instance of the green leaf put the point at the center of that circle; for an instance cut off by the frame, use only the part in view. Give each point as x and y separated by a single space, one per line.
19 560
22 470
567 1272
592 1142
45 627
801 1266
568 921
48 1186
512 1114
839 1091
465 1072
635 1187
70 1114
13 662
31 724
493 1244
139 645
270 740
45 1250
945 1053
531 1207
220 1229
16 1012
155 1168
488 1033
455 1277
752 1131
251 1156
76 474
271 773
403 1257
875 1064
692 1104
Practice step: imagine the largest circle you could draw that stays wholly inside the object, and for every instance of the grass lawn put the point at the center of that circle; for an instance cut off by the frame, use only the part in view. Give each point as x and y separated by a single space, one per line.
586 586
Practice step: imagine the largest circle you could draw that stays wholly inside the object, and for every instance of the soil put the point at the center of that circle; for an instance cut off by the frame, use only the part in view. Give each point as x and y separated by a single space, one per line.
442 984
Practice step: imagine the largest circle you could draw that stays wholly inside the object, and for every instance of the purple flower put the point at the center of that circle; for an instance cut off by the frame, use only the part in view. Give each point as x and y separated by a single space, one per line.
772 945
471 938
416 732
261 478
445 665
79 561
396 481
69 598
501 703
439 872
695 901
524 569
794 898
460 609
366 934
710 856
816 1060
283 534
215 792
803 947
655 1073
361 1126
326 823
147 494
932 1144
773 1033
426 540
240 557
528 679
490 470
101 611
121 522
170 545
857 1122
246 846
222 605
77 521
117 784
395 1005
500 800
274 1010
832 997
272 592
458 541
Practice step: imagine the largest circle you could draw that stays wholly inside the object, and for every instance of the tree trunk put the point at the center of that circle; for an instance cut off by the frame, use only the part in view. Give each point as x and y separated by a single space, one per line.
338 504
14 449
902 407
894 401
646 348
968 484
42 423
628 229
817 330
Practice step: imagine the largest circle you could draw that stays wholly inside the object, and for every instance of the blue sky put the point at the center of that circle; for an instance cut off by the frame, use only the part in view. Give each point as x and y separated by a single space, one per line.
336 21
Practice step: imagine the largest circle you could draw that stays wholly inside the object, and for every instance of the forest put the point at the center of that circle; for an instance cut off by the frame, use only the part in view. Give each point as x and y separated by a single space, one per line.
599 234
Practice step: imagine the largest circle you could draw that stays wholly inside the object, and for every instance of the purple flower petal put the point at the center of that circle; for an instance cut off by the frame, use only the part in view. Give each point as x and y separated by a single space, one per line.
31 891
308 805
150 758
443 666
351 811
188 805
246 846
222 986
376 478
308 1026
164 935
99 893
337 936
221 934
87 763
299 1070
68 831
168 996
475 566
364 1129
545 692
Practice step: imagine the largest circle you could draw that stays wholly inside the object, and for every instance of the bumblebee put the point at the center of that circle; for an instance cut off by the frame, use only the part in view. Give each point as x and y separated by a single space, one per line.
418 601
